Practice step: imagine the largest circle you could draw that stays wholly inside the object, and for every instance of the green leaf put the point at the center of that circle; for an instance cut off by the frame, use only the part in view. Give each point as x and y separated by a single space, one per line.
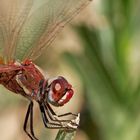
65 135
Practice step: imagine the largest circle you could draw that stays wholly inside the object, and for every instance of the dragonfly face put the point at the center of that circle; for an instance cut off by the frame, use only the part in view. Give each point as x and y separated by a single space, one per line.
59 91
27 27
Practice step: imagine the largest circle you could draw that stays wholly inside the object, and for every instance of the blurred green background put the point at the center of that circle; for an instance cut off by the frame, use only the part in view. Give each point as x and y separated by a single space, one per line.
99 54
109 70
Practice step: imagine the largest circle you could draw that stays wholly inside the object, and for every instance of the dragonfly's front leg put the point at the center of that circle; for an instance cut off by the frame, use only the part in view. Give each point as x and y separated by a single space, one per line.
47 122
53 116
29 114
62 115
51 119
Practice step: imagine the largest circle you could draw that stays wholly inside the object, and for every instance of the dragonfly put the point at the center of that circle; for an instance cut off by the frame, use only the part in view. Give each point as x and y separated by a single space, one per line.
27 28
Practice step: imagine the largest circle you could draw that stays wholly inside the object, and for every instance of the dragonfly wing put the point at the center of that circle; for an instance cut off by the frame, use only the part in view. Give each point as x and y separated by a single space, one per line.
44 23
13 14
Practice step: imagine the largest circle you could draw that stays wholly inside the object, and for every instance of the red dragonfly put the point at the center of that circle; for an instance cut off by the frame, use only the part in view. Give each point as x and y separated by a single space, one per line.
26 29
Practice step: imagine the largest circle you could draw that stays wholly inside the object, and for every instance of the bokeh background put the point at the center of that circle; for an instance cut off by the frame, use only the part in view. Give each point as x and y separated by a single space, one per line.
99 54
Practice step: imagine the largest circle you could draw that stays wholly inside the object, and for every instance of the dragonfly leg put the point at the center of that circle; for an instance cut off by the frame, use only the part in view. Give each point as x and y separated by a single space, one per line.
54 123
40 91
62 115
29 114
54 117
31 122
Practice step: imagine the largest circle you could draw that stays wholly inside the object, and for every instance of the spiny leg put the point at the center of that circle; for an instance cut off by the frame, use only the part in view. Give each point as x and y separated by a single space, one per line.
31 122
52 125
62 115
29 113
54 117
41 90
26 121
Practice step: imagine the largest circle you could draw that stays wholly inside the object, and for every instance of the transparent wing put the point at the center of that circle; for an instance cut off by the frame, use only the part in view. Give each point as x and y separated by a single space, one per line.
43 24
13 14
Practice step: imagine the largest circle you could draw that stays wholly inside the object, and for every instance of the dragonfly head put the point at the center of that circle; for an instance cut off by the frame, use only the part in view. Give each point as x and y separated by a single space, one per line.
59 91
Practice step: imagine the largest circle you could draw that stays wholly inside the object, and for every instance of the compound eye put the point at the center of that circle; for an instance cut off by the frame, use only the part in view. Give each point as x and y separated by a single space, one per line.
60 91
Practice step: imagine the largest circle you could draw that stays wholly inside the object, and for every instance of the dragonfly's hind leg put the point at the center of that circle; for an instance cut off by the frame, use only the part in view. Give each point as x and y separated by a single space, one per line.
29 114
